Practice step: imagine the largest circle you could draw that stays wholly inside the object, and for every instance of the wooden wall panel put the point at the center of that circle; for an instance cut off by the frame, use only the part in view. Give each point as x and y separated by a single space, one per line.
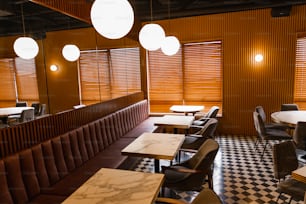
247 83
78 9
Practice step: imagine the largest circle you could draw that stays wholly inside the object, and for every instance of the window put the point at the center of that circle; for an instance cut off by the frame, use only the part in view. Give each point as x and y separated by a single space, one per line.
18 76
300 73
193 76
108 74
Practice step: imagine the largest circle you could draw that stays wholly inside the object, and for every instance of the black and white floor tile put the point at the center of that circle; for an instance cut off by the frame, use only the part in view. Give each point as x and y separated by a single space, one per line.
240 176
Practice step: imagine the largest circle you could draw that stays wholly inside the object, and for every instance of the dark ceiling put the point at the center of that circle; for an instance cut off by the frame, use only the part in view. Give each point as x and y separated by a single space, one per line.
38 19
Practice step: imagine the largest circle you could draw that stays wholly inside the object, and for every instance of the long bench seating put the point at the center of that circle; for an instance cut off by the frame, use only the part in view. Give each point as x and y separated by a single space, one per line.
49 172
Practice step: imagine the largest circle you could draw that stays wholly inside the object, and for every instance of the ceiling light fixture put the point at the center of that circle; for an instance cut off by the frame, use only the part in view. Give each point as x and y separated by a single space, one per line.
71 52
170 45
151 35
25 47
112 19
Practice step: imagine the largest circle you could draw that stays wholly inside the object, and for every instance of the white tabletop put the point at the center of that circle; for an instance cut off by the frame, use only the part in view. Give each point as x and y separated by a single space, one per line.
289 117
186 108
114 186
175 121
155 145
12 110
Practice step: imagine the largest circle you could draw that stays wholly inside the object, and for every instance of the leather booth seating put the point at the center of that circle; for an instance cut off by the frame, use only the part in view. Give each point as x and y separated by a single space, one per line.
49 172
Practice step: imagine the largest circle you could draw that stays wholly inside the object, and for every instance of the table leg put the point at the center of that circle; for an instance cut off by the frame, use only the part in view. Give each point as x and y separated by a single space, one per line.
156 165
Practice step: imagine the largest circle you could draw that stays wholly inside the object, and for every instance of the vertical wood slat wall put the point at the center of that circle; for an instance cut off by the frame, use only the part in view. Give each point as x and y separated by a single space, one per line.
246 83
79 9
25 135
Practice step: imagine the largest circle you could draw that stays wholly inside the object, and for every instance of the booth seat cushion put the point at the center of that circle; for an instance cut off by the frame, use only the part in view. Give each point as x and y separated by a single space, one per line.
145 126
14 179
47 199
4 189
29 173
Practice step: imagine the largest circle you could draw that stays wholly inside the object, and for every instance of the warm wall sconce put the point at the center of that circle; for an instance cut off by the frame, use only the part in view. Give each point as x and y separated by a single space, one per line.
112 19
258 58
25 47
71 52
53 68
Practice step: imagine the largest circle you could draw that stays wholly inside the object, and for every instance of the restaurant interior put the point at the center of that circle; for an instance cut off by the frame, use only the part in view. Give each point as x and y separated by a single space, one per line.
223 118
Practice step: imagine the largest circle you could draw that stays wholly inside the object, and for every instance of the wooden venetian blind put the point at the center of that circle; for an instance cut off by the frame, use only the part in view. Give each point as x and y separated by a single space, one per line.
165 77
7 83
203 74
26 80
300 73
192 76
94 77
108 74
125 71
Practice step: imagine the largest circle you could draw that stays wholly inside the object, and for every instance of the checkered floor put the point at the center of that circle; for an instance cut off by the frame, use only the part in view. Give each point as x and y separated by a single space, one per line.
240 176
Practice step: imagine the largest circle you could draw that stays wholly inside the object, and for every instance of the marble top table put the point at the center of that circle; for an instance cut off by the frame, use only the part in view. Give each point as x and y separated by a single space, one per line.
186 109
155 145
115 186
289 117
175 121
4 112
300 174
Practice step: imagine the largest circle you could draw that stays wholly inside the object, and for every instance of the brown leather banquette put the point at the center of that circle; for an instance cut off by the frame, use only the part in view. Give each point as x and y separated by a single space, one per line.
49 172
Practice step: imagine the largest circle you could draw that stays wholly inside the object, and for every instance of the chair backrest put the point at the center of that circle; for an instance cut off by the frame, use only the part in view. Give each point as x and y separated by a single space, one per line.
299 135
261 112
259 124
212 113
207 196
205 156
289 107
21 104
36 107
27 115
208 129
42 109
284 159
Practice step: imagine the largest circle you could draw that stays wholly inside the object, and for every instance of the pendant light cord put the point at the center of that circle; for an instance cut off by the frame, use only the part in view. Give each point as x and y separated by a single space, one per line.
151 9
22 18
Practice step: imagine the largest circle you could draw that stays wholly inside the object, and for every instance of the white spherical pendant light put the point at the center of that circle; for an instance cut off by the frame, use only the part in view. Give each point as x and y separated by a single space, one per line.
26 48
71 52
151 36
112 19
170 45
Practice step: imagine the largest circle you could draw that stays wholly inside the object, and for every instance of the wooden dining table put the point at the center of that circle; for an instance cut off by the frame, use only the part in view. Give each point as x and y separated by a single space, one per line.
175 122
155 145
115 186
